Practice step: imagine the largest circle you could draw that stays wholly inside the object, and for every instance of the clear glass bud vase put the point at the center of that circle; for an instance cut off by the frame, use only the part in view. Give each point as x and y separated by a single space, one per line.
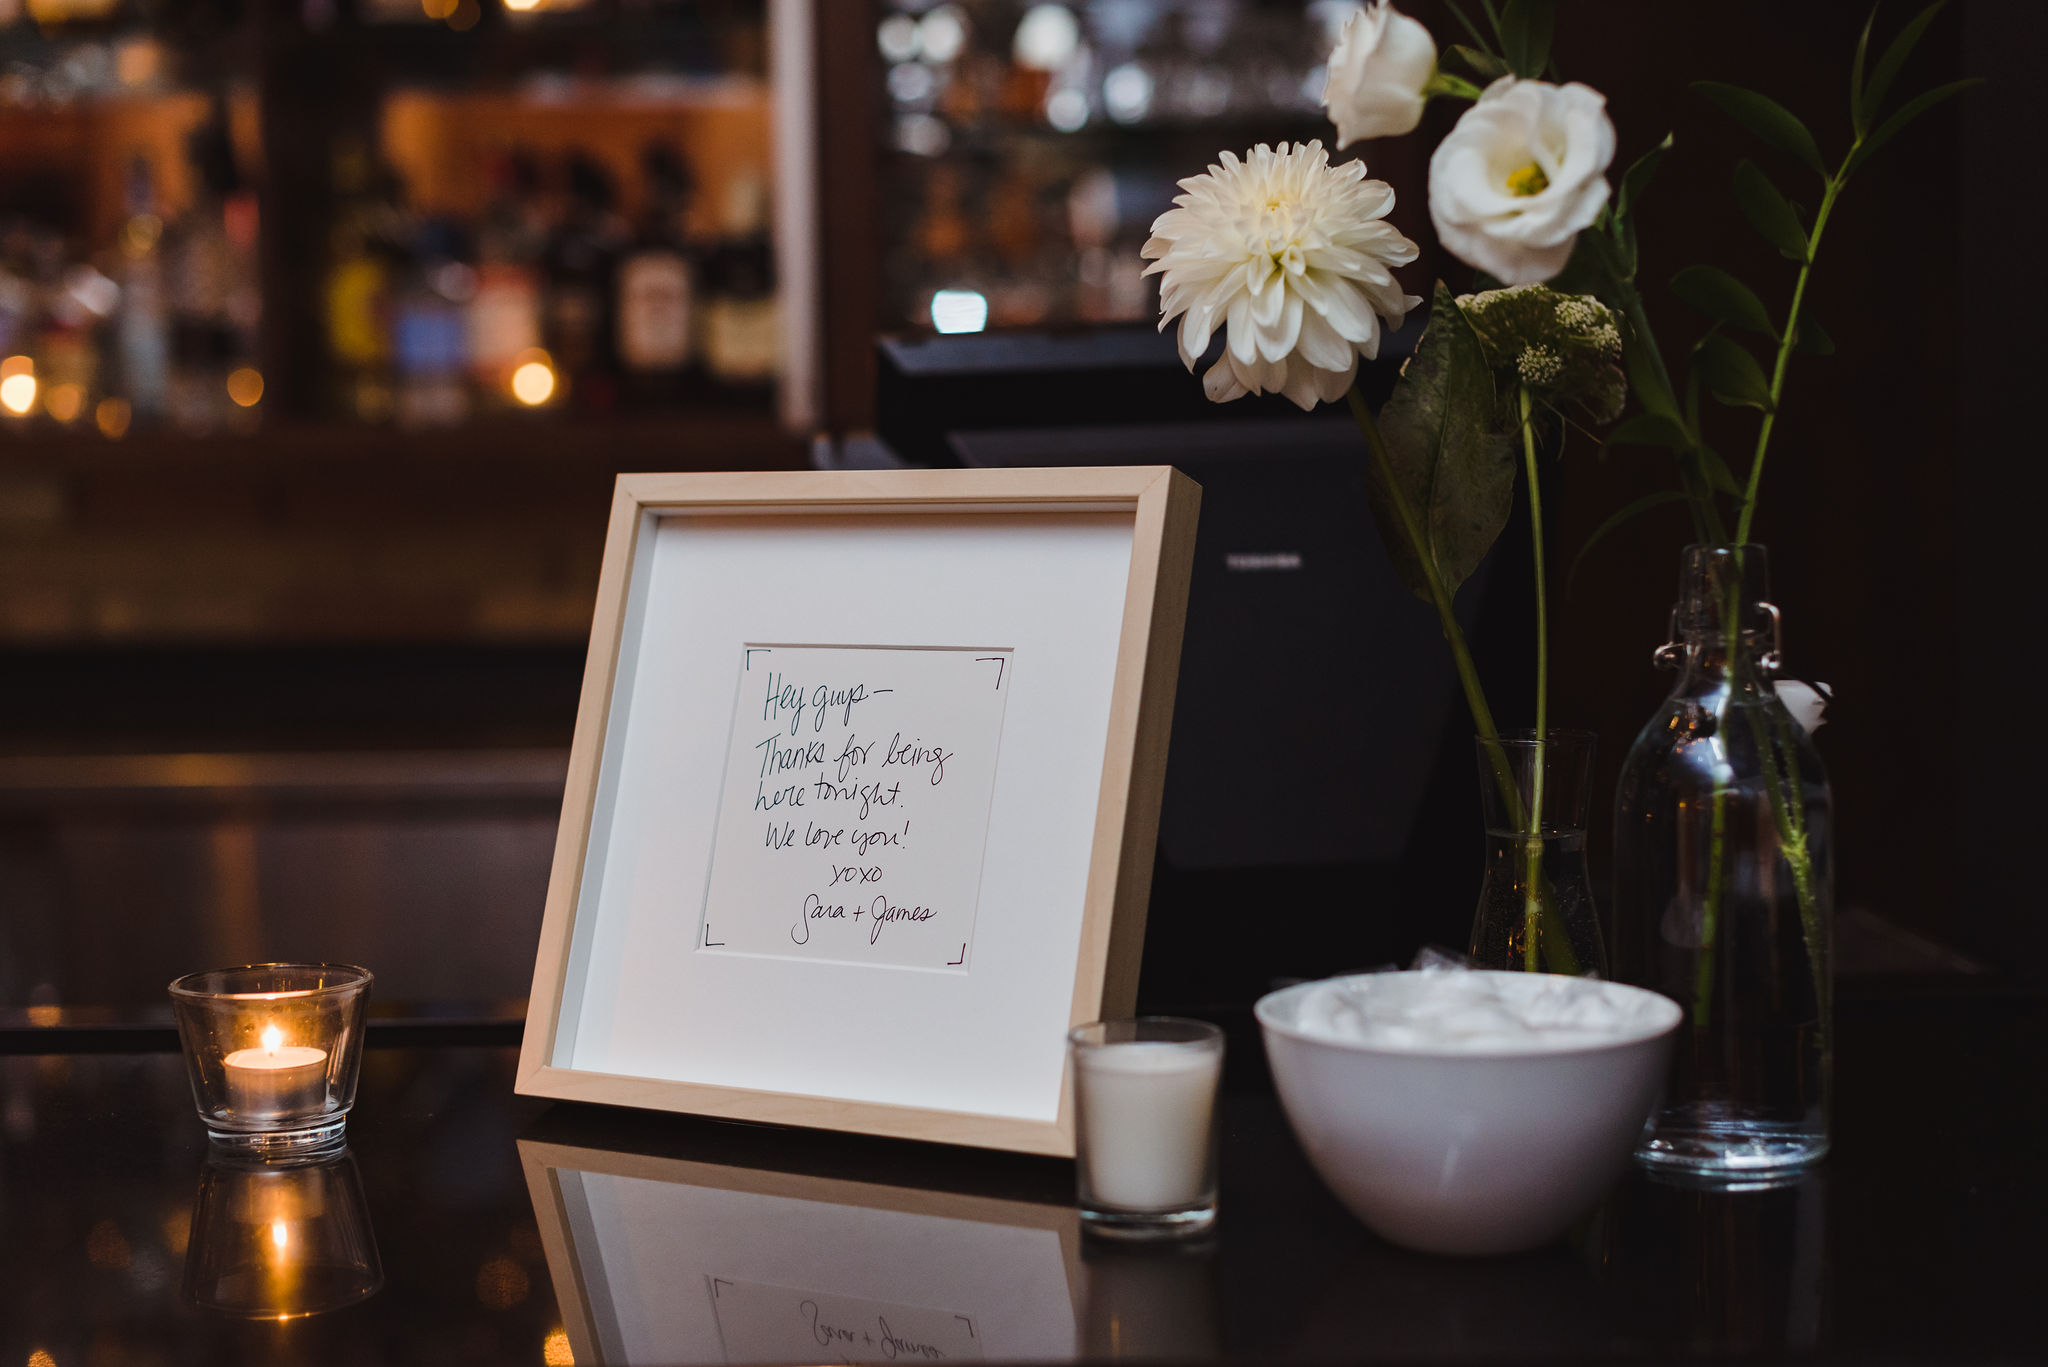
1723 886
1536 907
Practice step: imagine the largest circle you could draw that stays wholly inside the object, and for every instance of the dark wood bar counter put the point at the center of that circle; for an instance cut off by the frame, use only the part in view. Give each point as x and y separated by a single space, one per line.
1909 1244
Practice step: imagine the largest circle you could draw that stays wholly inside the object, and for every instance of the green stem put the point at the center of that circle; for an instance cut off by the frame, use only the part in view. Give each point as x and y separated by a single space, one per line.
1650 375
1454 635
1789 807
1710 913
1532 911
1461 657
1717 843
1788 337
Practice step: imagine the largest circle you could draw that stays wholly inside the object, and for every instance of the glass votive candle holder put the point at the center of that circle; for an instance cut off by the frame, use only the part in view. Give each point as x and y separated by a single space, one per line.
1145 1125
280 1243
273 1051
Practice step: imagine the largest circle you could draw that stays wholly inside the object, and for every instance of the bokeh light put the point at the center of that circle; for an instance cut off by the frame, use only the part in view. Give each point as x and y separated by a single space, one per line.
65 402
533 378
18 385
1047 37
112 416
959 311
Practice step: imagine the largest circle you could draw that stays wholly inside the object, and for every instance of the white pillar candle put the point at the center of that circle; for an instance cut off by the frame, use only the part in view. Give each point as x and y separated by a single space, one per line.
1147 1113
277 1081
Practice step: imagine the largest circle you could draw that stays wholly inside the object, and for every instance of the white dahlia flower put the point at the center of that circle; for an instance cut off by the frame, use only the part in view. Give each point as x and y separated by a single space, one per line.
1293 258
1521 174
1378 70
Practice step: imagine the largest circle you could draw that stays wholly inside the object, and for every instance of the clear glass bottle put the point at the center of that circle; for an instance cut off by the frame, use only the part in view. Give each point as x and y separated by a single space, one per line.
1723 886
1536 909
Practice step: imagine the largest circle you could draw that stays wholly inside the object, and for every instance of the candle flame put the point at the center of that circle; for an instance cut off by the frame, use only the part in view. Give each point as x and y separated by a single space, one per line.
280 1234
272 1039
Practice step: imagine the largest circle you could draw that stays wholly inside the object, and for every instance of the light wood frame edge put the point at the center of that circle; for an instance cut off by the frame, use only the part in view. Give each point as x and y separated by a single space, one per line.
1165 505
540 1160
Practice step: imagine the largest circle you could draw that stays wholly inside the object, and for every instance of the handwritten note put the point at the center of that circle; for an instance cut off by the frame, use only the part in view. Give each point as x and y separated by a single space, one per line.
762 1323
855 806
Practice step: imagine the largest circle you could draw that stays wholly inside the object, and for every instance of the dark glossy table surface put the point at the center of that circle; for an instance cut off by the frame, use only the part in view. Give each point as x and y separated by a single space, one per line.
517 1232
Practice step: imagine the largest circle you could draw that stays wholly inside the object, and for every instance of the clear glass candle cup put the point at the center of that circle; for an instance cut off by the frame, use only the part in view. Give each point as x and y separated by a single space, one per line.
1145 1125
273 1051
280 1242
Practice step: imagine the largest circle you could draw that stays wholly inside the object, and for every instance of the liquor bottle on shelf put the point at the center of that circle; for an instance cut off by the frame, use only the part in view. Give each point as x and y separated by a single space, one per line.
356 288
505 311
657 283
741 330
22 292
215 301
142 332
581 261
68 342
17 289
430 332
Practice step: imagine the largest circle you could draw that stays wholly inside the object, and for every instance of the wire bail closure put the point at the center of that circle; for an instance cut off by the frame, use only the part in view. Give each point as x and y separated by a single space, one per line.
1672 653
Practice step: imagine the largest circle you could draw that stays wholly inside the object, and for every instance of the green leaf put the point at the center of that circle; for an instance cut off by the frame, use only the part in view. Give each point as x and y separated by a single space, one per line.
1525 31
1908 112
1478 38
1894 58
1809 338
1626 515
1648 429
1730 373
1457 473
1636 179
1768 212
1766 118
1719 476
1484 65
1857 112
1723 298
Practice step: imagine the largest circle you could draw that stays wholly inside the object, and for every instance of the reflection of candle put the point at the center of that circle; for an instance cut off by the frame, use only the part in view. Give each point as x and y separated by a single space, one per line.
278 1081
1147 1110
270 1196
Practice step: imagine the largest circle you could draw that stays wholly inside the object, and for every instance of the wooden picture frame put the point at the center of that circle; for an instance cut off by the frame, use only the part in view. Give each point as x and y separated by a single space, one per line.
1026 525
860 1250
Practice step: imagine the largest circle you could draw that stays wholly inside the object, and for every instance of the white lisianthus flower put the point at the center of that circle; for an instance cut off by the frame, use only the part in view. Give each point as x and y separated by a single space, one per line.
1521 174
1293 258
1381 63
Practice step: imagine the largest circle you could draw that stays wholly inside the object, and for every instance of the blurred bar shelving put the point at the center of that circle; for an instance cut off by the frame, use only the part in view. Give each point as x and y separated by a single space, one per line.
333 319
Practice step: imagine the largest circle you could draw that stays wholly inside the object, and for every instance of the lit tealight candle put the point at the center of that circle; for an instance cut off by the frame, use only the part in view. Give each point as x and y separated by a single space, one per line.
278 1081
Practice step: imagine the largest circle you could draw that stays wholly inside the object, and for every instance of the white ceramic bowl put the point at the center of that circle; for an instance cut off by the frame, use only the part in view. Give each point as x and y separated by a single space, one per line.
1470 1152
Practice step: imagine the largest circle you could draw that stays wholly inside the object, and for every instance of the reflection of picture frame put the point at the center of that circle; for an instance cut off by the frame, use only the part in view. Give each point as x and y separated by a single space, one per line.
961 682
669 1260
